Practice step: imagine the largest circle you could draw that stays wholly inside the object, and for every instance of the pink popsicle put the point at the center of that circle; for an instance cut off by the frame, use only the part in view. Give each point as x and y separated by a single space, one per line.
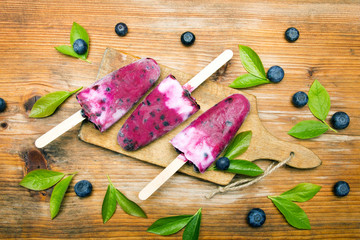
108 99
207 136
162 110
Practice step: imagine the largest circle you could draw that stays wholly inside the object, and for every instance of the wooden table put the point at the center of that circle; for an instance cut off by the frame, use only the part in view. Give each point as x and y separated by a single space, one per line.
328 50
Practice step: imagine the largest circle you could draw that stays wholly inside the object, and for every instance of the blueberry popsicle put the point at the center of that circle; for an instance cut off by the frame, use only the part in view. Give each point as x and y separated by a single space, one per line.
207 136
204 139
108 99
168 105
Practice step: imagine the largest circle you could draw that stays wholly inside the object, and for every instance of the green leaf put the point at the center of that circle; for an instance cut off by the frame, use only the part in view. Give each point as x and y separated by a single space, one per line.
41 179
248 80
293 214
129 206
251 62
58 194
239 145
169 225
78 32
47 104
244 167
319 100
67 50
192 229
302 192
109 203
308 129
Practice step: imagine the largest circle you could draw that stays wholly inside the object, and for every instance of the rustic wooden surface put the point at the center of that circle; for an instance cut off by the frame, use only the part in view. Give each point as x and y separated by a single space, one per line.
328 50
160 152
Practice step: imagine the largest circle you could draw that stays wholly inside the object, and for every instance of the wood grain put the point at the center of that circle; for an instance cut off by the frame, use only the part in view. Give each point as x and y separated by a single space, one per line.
328 50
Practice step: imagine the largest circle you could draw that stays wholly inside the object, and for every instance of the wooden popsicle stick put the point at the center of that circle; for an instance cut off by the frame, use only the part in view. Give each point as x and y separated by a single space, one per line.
59 129
160 179
180 160
209 70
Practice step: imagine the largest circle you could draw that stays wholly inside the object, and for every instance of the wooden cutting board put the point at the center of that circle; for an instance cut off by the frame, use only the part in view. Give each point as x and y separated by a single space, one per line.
160 152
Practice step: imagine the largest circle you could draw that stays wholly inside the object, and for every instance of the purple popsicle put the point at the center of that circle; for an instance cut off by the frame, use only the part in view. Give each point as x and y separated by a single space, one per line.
162 110
207 136
108 99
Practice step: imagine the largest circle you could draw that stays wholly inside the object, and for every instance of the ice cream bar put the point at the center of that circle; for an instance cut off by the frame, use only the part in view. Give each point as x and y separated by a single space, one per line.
207 136
108 99
168 105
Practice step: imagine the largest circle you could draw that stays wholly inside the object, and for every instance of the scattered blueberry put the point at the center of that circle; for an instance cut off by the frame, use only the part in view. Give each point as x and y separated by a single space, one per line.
300 99
2 105
275 74
340 120
341 188
80 46
256 217
187 38
292 34
83 188
121 29
222 163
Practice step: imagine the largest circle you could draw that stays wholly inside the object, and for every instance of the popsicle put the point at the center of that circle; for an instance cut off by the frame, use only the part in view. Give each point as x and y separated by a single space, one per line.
162 110
204 139
168 105
108 99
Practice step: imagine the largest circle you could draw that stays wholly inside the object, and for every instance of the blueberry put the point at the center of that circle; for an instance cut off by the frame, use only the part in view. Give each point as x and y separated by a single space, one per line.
222 163
2 105
292 34
275 74
229 100
121 29
80 46
300 99
228 123
341 188
340 120
83 188
82 113
130 147
196 169
187 38
256 217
